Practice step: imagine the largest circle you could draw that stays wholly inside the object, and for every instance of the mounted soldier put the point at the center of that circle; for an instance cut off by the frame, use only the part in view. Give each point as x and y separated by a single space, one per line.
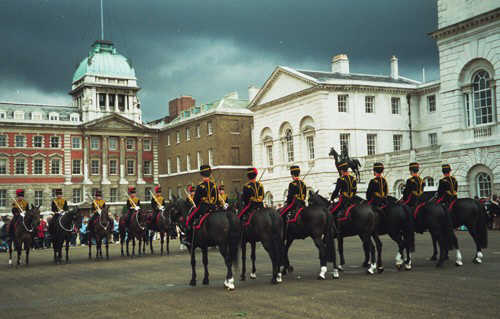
59 204
157 202
448 187
253 194
297 192
98 205
376 193
133 204
345 190
222 193
414 187
19 207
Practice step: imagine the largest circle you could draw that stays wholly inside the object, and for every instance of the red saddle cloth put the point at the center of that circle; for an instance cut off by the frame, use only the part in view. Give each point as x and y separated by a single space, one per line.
203 218
417 209
347 213
452 204
294 219
286 209
336 206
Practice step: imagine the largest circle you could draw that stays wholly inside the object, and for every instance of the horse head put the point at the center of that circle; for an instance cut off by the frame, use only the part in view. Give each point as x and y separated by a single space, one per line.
76 217
33 216
333 153
316 199
178 211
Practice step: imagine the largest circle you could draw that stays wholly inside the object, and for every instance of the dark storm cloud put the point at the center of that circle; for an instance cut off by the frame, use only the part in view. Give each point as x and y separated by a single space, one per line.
207 48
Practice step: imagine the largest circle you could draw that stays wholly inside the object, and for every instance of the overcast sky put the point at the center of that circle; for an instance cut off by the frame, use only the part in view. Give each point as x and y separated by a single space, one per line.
207 48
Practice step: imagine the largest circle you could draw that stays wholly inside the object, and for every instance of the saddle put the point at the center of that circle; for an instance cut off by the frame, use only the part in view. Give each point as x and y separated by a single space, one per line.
294 219
347 214
197 225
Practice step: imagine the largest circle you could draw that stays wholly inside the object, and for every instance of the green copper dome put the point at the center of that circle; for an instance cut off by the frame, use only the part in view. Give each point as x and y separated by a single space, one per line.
103 60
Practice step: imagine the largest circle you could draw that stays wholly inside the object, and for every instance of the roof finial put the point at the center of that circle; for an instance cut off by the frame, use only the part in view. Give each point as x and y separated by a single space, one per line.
102 23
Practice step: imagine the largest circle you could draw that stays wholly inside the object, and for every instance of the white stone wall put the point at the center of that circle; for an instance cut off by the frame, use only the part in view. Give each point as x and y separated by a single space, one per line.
453 11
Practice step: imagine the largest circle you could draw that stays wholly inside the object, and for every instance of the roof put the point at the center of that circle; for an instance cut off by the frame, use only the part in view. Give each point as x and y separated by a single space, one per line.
103 60
326 77
64 111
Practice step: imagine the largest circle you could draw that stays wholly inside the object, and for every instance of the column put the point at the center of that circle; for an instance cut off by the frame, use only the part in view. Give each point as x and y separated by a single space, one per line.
67 159
122 161
86 160
140 180
104 165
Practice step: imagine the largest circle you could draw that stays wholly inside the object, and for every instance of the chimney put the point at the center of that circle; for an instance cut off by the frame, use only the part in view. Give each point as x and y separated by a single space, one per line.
340 64
252 92
394 68
177 105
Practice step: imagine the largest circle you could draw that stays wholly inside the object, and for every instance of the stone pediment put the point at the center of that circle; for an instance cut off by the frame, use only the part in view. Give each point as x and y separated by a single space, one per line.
115 123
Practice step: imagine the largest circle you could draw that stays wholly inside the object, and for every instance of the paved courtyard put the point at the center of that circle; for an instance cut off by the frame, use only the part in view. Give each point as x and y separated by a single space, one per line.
157 287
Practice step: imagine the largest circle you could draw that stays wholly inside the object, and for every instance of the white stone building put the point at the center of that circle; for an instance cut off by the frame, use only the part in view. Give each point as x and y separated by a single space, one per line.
299 115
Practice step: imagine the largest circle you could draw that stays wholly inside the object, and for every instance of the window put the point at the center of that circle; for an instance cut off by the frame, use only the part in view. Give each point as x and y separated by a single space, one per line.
94 167
130 144
20 166
168 140
396 105
113 167
55 166
481 89
397 140
113 143
467 109
130 167
76 142
147 145
3 166
429 181
77 167
3 140
75 118
369 104
344 141
188 134
38 166
36 116
54 116
3 197
20 141
77 195
38 198
113 195
18 115
169 166
178 164
211 157
111 101
483 184
198 130
342 102
269 151
433 139
199 159
102 101
94 143
188 162
431 103
121 102
54 141
37 141
210 128
93 192
289 145
235 155
310 146
2 116
147 168
177 137
147 194
371 143
170 194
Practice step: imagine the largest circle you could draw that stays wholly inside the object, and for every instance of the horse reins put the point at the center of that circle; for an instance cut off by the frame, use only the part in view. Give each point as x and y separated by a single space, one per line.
61 225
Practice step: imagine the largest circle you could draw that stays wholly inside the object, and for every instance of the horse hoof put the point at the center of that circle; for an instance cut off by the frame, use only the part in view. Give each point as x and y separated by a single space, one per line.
340 268
243 278
279 278
229 284
380 270
335 274
433 258
192 282
290 269
322 273
253 276
274 281
477 261
459 263
398 266
371 269
205 281
408 267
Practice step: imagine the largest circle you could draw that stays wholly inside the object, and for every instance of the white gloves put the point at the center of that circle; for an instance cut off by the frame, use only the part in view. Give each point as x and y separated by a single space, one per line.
226 205
23 213
161 208
137 208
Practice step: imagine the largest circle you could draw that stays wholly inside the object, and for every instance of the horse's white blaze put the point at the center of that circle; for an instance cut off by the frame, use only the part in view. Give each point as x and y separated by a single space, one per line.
279 278
322 272
253 275
399 259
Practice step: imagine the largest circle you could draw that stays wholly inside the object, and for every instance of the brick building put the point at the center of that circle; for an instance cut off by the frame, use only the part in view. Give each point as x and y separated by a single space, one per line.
99 142
217 133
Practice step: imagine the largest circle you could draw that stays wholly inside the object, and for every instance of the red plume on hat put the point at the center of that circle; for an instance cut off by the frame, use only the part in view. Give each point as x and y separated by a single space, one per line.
19 192
131 190
158 189
190 188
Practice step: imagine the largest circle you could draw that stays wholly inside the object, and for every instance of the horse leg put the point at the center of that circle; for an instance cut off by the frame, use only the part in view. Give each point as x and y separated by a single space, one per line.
54 248
67 250
162 237
133 246
90 246
378 245
128 240
243 259
478 258
434 246
18 249
340 240
10 252
274 255
205 265
151 245
27 248
366 262
368 245
318 241
107 248
442 247
193 267
253 274
224 250
287 267
168 242
121 244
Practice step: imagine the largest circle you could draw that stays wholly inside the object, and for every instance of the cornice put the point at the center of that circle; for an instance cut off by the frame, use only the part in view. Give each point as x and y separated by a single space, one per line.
467 24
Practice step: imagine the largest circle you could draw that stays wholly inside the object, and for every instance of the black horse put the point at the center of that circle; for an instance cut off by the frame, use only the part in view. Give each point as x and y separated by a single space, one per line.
161 222
266 226
220 228
99 228
354 164
472 214
361 221
61 230
23 233
313 221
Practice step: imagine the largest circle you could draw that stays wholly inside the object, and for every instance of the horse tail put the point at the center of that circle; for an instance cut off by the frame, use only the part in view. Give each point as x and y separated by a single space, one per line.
409 229
233 238
482 226
450 239
277 237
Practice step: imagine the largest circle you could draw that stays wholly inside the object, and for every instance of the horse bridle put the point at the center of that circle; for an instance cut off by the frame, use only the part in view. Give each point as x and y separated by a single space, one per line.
28 230
137 220
61 225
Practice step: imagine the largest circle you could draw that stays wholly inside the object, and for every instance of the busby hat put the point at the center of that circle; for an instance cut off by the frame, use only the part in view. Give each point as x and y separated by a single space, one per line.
252 172
59 192
158 189
295 170
131 190
205 170
378 167
414 167
446 168
98 193
20 192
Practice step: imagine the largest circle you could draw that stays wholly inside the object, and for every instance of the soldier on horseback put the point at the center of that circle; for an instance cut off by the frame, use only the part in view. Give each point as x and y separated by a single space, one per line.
297 192
253 194
345 189
222 193
376 193
133 204
448 186
157 202
19 207
205 197
98 205
414 187
59 204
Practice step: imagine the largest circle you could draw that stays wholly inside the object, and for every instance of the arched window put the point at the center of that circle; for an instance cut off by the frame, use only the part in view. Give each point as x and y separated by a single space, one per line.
483 185
482 101
429 181
269 199
289 145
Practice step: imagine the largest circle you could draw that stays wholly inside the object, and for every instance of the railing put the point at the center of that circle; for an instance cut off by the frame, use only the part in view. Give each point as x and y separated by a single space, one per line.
482 131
